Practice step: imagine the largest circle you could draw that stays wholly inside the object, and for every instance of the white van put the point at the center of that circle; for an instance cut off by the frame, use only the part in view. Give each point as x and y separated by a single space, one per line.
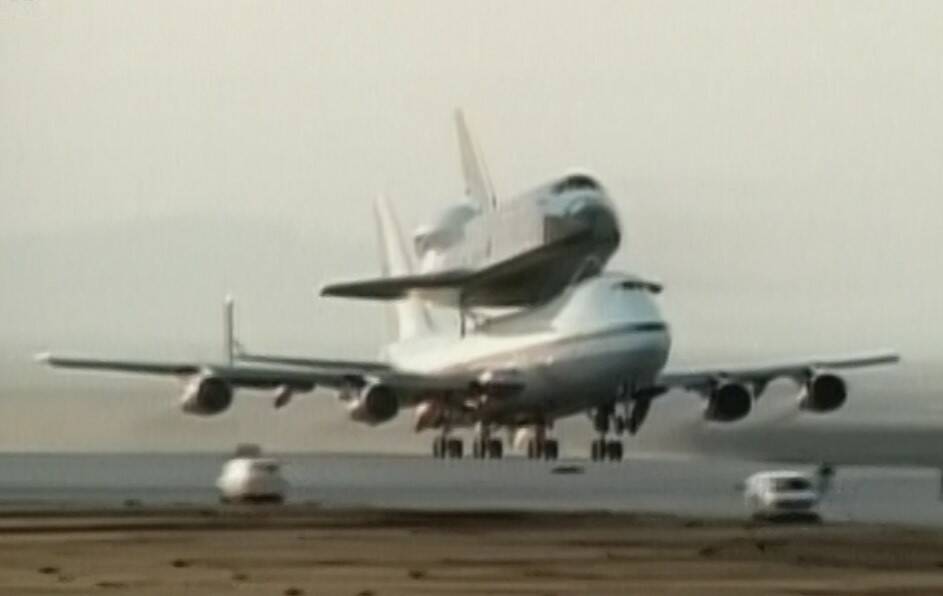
783 494
251 478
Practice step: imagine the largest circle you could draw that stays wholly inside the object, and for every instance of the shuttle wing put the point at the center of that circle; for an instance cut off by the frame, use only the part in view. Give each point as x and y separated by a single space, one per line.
700 379
521 280
303 375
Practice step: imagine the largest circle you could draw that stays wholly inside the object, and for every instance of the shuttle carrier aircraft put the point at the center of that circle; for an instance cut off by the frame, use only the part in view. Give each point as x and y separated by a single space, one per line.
545 333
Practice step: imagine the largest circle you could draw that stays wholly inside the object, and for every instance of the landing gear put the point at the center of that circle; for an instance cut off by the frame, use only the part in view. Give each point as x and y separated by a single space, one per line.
484 448
602 448
540 446
484 445
548 449
445 447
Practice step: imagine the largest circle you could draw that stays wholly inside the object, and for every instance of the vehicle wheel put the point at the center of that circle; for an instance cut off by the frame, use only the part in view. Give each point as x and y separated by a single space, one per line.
614 450
551 449
597 451
495 449
455 448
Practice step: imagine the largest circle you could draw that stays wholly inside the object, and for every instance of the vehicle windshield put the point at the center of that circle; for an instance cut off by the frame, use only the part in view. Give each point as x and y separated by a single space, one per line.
791 484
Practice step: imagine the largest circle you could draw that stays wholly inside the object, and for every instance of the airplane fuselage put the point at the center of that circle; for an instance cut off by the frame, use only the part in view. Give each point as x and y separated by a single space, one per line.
599 337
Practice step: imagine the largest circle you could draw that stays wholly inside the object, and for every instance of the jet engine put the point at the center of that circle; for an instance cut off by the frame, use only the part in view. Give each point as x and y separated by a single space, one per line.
729 402
376 404
206 396
823 393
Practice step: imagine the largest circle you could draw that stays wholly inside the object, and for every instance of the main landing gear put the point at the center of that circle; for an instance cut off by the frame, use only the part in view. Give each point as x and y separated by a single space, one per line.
484 446
487 449
446 447
540 446
602 447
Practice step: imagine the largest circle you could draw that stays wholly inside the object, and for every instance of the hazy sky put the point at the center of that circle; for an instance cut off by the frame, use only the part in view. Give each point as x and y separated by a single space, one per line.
778 165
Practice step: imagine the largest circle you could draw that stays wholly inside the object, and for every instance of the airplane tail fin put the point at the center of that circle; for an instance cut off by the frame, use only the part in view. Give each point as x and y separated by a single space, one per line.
477 183
230 345
412 317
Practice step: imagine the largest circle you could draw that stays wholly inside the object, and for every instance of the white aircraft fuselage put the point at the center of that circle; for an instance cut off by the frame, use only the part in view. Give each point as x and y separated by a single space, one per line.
571 354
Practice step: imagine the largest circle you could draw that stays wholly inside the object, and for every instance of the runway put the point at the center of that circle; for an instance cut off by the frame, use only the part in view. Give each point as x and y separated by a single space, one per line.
298 550
698 487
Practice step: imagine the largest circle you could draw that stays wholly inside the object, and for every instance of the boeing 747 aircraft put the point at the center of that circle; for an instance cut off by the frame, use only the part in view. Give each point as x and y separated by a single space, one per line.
590 342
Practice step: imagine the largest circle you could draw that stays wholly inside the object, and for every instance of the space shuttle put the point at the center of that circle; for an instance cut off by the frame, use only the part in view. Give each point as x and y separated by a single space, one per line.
516 252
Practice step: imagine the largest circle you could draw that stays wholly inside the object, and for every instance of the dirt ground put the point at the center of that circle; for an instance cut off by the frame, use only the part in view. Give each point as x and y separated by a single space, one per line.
300 550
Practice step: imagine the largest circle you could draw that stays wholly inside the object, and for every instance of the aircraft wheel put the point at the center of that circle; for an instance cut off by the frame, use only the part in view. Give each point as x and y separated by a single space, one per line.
551 449
614 450
438 448
533 449
598 450
455 448
495 449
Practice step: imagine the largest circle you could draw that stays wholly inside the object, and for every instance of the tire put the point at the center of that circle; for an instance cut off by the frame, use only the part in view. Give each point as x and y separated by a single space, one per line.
614 450
551 449
597 450
455 448
495 449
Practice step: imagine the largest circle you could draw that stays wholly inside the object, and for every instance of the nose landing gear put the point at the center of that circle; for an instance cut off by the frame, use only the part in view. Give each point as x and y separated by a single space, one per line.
603 448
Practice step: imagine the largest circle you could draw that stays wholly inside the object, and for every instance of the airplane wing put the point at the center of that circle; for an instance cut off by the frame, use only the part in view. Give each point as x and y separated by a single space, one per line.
359 365
516 281
241 354
337 375
703 379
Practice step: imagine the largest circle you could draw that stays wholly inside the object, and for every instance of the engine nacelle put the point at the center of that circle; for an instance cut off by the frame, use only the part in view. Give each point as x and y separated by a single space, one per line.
206 396
729 402
376 404
823 393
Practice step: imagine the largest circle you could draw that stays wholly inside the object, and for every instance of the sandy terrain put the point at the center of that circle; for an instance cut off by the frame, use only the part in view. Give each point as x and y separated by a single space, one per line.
309 551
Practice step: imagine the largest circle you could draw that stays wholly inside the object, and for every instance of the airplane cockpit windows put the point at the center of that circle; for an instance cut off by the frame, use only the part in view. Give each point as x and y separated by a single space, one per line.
640 286
576 182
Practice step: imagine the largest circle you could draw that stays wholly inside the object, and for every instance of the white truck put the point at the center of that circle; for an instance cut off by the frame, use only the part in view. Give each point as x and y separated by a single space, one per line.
782 495
251 478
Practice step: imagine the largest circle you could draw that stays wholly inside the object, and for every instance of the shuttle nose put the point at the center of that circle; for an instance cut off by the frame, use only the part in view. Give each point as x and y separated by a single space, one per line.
588 217
598 218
